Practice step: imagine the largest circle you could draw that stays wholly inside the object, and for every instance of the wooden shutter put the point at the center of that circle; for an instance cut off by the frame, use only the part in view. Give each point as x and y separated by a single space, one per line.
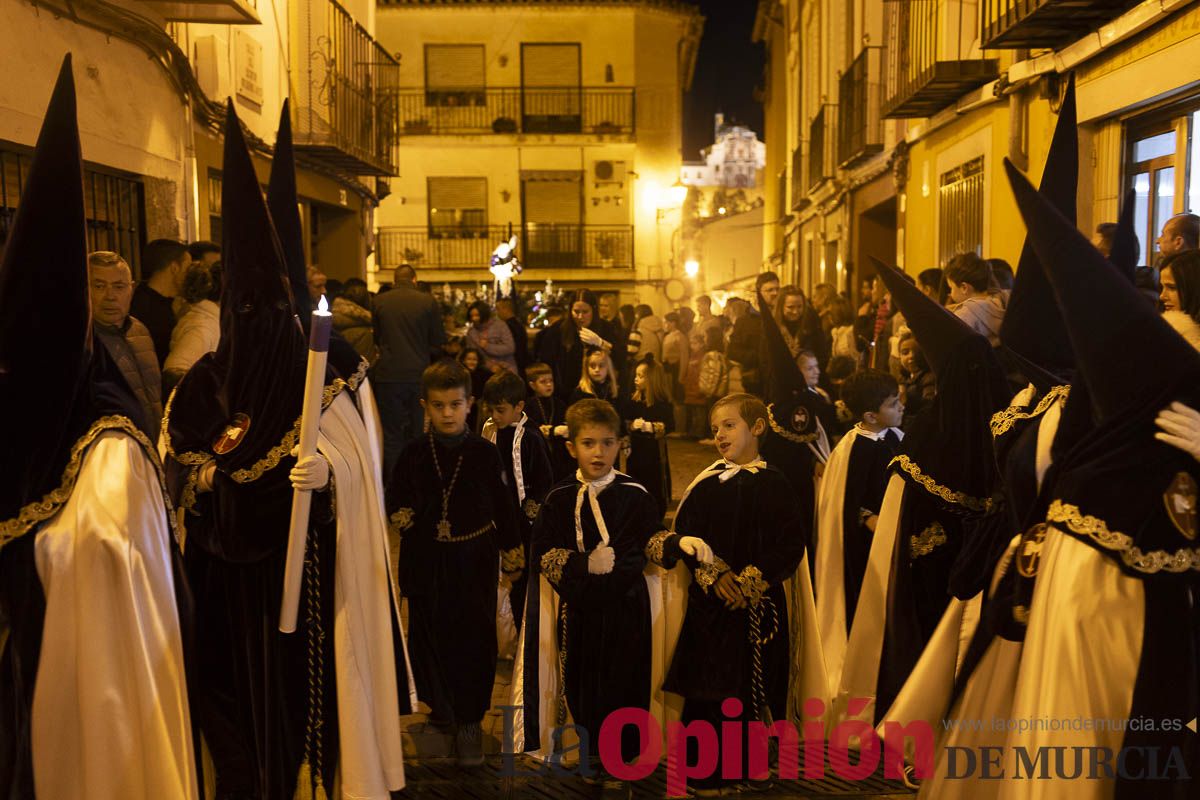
454 67
553 197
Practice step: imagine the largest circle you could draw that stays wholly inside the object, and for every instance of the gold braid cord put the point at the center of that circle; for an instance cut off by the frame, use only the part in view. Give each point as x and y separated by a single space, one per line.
1070 518
707 574
310 784
39 511
1002 421
926 541
513 559
268 461
786 434
561 714
355 380
654 547
933 487
553 562
751 582
757 641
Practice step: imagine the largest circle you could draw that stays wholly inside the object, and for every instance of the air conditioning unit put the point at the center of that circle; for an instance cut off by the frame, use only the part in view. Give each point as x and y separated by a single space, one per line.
608 172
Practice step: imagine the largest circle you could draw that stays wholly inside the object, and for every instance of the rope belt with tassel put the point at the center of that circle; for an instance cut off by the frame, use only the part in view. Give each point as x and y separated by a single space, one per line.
757 641
310 783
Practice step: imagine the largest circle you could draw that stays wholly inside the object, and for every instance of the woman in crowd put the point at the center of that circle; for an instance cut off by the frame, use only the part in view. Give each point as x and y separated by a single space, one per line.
1180 295
352 318
563 343
492 337
199 328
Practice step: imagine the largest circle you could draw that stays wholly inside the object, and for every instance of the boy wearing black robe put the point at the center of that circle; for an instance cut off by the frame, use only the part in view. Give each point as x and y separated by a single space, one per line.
588 544
526 459
741 533
456 520
548 412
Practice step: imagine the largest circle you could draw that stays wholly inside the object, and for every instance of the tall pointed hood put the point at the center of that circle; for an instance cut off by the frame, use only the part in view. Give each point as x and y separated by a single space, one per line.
256 375
948 451
1124 254
1033 329
283 201
784 387
53 387
1133 364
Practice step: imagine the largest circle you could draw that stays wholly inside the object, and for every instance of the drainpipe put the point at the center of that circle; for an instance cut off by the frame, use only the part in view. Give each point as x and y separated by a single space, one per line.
1017 152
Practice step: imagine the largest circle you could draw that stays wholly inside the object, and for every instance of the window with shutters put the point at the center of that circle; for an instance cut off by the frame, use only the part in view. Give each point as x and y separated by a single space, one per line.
551 94
454 75
552 201
960 211
457 208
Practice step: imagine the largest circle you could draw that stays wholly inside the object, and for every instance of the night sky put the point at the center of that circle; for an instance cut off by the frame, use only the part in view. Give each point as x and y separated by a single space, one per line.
727 70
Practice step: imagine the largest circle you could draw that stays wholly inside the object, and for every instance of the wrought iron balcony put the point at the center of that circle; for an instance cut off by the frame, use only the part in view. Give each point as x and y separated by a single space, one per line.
860 128
344 103
821 145
1014 24
598 111
928 63
798 187
542 246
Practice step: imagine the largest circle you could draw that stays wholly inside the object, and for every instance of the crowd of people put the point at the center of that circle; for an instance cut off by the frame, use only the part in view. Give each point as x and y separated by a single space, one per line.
972 497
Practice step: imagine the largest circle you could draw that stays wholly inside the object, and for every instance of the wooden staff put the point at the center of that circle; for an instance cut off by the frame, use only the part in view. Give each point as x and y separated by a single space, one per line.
310 425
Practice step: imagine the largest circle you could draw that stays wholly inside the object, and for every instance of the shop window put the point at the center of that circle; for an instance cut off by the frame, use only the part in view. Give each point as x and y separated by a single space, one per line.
457 208
960 211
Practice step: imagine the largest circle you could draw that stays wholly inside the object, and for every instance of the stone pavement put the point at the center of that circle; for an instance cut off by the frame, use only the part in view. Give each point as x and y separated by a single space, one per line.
429 753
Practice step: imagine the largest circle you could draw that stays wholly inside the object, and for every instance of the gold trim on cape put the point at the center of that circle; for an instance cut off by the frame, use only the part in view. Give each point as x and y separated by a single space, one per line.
926 541
531 508
513 559
791 437
933 487
654 547
1070 518
1002 421
31 514
552 564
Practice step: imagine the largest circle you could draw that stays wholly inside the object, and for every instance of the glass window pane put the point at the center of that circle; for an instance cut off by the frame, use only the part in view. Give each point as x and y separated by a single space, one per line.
1164 201
1154 146
1192 201
1141 212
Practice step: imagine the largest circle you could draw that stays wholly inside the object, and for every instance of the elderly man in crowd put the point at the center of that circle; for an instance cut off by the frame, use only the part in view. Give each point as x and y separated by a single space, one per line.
126 340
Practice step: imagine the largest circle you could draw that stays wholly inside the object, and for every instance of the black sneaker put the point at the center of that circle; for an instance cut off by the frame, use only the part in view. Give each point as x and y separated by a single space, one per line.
469 745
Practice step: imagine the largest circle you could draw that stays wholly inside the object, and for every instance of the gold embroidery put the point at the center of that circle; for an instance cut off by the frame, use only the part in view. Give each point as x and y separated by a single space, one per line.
933 487
752 584
1021 614
355 380
1028 555
707 574
402 519
531 508
1095 528
466 537
553 563
926 541
512 560
786 434
654 547
41 510
1002 421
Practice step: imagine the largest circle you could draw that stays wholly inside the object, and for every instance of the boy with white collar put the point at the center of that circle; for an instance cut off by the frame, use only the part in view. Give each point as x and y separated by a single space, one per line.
526 459
851 495
740 532
591 600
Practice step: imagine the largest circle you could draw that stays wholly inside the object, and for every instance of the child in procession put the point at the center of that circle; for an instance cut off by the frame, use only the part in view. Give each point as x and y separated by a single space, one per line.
549 414
598 379
457 520
649 417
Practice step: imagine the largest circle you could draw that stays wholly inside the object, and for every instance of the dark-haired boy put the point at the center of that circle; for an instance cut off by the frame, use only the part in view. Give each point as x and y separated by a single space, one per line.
851 495
526 459
591 599
548 413
457 520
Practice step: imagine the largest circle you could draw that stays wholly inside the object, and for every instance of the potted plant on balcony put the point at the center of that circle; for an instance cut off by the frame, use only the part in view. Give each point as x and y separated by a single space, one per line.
417 127
413 257
607 127
606 248
504 125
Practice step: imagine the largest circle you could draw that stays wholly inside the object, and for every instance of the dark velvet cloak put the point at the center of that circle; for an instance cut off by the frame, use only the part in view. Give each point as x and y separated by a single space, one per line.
605 618
451 586
538 478
648 463
552 411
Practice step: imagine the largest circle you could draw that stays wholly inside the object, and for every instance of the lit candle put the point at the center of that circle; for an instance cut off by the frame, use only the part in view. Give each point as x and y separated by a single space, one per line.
310 424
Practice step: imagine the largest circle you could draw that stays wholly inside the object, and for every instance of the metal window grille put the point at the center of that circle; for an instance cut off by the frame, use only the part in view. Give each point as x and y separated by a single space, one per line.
960 211
114 206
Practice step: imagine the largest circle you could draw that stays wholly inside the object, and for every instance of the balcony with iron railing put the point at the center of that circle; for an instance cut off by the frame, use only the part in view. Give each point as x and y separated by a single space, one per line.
930 62
542 246
821 145
344 101
587 110
1011 24
860 126
798 183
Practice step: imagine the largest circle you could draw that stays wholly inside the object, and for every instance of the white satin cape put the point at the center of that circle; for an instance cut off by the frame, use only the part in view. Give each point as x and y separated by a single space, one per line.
371 756
110 717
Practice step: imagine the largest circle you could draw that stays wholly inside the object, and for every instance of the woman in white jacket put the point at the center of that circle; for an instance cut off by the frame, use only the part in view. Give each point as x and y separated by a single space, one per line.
199 328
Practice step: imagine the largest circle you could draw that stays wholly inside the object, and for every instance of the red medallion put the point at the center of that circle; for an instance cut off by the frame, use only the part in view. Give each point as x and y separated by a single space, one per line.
235 433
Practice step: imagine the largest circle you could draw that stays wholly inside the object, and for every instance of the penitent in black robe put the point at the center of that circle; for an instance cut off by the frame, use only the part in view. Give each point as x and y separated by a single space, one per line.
605 619
552 411
647 463
451 585
866 482
537 478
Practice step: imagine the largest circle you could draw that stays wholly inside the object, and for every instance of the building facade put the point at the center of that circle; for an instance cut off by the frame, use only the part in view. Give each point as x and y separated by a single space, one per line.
560 122
888 122
152 78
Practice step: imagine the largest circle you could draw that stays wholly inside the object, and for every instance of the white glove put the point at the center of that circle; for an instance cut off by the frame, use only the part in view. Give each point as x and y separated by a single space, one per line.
640 424
1180 428
311 473
697 548
590 337
601 560
206 476
545 429
560 430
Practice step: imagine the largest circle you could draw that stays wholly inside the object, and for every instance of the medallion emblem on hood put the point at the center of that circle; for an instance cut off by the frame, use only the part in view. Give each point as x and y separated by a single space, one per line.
1180 500
233 435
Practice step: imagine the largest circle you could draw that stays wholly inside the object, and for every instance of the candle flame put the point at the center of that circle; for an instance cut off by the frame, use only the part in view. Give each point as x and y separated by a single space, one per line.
322 306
